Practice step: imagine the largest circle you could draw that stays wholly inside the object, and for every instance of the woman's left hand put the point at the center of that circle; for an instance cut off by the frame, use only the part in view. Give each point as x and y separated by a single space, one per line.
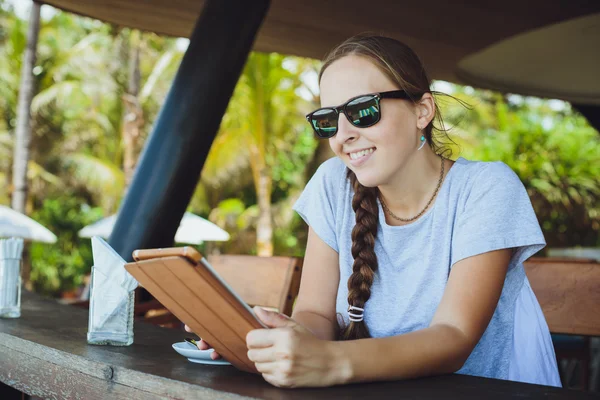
289 355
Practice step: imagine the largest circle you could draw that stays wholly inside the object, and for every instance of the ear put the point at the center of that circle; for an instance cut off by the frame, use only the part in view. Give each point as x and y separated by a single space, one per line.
425 110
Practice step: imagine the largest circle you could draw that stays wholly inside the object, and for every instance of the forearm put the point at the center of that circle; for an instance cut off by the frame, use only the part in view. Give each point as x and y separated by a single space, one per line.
435 350
320 326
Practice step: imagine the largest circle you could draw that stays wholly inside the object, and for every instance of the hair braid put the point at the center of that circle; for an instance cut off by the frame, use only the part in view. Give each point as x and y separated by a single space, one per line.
364 204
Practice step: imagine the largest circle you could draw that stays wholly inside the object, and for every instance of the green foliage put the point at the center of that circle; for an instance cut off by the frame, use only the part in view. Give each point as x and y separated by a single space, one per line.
238 220
289 162
264 133
290 239
553 150
61 266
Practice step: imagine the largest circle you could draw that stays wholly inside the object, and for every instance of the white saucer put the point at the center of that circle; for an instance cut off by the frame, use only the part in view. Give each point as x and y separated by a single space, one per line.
195 355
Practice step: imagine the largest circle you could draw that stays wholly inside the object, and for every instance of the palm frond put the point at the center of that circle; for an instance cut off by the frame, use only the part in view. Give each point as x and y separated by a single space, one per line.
227 157
100 177
159 69
36 171
61 93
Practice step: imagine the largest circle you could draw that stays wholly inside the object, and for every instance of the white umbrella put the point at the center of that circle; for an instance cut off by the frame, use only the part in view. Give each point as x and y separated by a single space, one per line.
15 224
192 229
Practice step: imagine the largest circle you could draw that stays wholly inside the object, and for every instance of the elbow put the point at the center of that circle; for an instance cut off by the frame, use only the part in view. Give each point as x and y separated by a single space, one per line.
461 350
457 363
463 354
454 362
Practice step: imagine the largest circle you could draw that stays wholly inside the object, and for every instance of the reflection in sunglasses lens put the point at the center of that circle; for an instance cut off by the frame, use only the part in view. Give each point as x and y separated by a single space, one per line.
363 111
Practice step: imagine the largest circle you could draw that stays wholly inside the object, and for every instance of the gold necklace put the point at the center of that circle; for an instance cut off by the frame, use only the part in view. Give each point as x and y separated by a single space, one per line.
385 207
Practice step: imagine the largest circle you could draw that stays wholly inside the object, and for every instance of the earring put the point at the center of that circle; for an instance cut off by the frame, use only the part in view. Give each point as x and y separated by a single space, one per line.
423 141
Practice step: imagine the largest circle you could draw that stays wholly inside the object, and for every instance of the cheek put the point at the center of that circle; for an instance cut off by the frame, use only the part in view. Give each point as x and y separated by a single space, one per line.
397 133
334 145
400 122
387 138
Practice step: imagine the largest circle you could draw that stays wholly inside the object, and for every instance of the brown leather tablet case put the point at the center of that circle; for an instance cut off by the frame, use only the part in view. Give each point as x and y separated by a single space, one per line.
196 295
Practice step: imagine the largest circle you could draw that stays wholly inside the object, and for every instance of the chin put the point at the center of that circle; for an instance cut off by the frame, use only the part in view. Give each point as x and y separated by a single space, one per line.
368 179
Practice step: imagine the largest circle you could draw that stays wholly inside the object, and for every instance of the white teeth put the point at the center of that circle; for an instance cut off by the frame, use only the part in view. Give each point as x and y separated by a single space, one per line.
361 153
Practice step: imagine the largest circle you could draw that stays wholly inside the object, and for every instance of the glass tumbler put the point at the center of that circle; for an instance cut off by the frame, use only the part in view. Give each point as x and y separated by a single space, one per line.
10 287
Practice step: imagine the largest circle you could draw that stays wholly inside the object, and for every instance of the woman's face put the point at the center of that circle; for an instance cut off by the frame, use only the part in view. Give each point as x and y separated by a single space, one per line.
389 142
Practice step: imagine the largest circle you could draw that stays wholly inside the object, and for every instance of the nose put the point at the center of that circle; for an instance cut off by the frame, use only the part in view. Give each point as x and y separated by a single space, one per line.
347 132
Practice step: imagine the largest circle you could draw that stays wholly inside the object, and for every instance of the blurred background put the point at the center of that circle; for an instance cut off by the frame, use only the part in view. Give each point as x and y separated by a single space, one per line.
98 88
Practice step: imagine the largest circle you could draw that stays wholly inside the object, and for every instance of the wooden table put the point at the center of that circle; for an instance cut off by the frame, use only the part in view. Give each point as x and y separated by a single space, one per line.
44 353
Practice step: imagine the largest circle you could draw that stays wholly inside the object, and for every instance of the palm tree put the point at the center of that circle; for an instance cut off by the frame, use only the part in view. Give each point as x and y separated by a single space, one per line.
263 110
23 130
95 88
76 136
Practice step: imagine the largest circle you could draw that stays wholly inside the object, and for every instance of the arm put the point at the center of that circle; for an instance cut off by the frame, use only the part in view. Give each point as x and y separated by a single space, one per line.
467 306
315 306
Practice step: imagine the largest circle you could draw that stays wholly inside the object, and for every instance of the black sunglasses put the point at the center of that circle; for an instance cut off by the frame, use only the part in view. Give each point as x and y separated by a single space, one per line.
361 111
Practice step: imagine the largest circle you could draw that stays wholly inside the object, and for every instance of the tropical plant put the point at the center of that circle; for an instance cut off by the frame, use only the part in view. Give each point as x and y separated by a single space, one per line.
552 148
62 266
263 114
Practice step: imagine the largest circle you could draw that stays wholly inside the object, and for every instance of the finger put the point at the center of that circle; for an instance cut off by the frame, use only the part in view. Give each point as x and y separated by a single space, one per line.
266 368
187 329
262 355
273 319
260 338
277 380
202 345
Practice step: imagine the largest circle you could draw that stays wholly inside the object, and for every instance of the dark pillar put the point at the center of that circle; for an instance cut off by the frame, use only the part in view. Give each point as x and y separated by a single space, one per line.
591 113
170 165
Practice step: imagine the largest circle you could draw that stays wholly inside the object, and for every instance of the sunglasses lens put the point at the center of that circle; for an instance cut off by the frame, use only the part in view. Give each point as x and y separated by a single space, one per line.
324 122
363 111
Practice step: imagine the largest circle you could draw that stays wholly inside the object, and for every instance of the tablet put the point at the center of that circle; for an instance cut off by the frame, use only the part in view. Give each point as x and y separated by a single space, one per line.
186 284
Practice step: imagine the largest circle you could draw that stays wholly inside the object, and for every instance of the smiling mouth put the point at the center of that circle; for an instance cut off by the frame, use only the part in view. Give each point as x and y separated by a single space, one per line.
360 154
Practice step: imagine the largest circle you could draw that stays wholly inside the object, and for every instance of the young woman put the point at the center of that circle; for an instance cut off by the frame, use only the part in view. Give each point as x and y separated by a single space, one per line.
414 262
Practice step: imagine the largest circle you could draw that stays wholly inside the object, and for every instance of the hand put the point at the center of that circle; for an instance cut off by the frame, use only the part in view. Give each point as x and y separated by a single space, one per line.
202 345
289 355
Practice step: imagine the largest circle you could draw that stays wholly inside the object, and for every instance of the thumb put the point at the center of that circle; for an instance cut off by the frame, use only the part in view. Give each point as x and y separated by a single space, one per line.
273 319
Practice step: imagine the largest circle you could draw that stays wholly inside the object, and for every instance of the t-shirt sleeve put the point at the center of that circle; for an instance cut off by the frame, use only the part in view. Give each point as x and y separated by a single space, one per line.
317 204
497 214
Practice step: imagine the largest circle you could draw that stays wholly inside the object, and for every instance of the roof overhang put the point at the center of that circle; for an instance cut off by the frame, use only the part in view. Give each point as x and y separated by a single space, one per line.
535 47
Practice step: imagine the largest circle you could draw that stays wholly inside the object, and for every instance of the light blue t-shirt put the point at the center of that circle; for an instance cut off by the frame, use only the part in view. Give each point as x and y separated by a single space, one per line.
481 207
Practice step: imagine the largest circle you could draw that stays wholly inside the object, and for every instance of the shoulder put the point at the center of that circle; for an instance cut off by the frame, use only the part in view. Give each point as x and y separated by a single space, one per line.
485 175
492 181
478 170
326 186
493 211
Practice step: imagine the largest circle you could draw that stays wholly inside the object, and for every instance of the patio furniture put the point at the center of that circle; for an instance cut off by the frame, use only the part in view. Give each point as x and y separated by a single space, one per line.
44 353
569 294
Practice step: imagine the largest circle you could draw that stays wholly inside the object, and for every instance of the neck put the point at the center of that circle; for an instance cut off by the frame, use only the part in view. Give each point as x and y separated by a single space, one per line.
412 187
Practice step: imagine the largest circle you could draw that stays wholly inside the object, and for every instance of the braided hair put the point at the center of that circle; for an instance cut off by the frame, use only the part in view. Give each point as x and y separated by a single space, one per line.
364 204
